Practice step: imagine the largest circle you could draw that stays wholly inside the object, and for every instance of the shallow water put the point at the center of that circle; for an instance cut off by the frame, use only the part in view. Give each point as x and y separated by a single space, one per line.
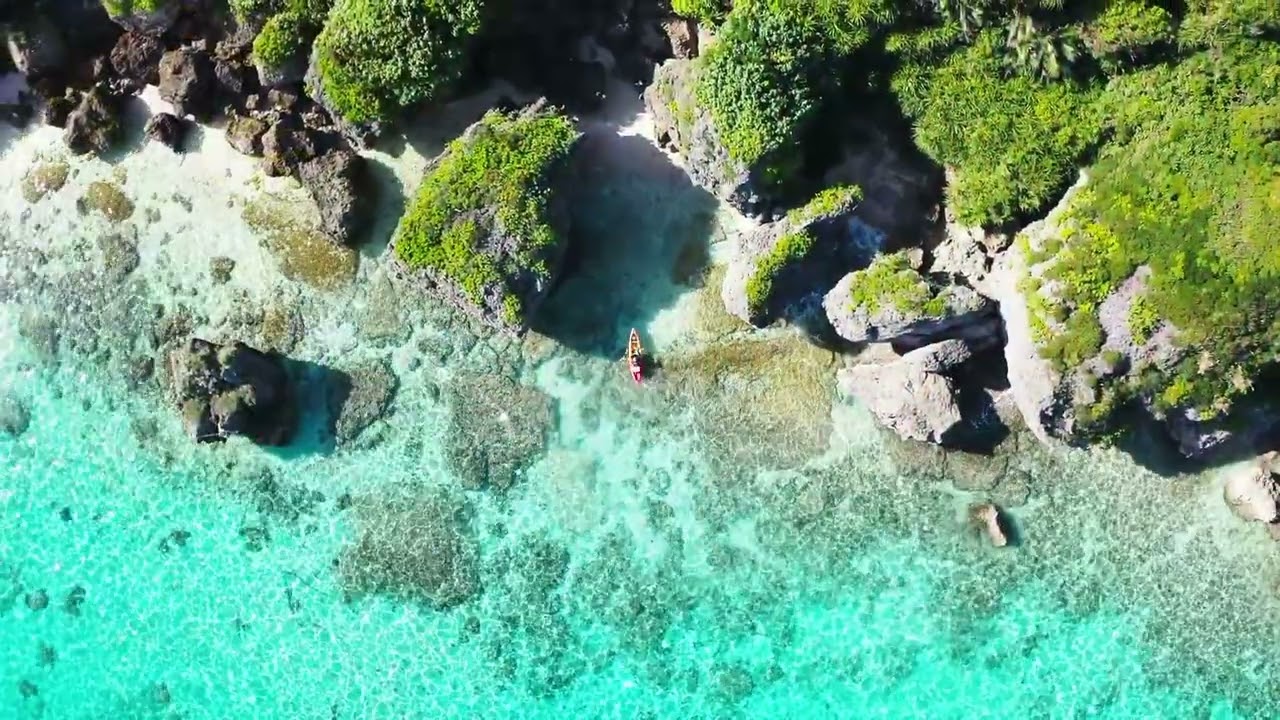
729 541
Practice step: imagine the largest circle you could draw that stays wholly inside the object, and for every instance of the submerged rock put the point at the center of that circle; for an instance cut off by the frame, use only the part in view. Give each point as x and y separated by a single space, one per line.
361 398
337 183
15 418
497 427
488 227
225 390
414 548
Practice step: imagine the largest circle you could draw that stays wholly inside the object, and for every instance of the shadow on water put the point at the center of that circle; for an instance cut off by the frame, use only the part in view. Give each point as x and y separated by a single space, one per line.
640 237
321 393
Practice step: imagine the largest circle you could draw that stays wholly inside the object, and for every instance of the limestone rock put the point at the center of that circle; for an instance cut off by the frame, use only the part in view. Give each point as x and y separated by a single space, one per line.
337 183
225 390
1253 491
911 395
988 519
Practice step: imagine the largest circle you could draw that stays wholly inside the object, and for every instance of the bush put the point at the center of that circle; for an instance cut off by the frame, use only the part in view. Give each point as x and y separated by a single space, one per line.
1014 144
376 57
1127 31
706 12
499 173
281 39
763 82
119 8
890 281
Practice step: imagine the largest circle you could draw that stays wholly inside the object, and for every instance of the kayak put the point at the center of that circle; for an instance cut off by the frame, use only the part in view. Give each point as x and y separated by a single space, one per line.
634 348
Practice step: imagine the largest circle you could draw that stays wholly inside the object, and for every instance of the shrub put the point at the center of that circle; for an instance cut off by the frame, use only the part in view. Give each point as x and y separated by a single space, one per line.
281 39
1143 319
890 281
706 12
1127 31
376 57
499 174
1012 143
118 8
764 80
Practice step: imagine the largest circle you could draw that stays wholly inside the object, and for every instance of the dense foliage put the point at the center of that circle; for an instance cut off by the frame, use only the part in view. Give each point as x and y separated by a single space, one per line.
119 8
495 179
891 282
376 57
1191 189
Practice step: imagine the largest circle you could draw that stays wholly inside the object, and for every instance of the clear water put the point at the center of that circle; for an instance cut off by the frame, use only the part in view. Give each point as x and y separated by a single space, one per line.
727 542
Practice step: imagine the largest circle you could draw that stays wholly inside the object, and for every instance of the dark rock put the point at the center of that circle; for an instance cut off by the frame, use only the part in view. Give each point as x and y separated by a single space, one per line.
337 183
682 34
138 56
187 81
15 418
38 600
234 78
36 47
285 101
220 269
285 147
360 398
245 134
58 108
94 126
225 390
74 600
167 129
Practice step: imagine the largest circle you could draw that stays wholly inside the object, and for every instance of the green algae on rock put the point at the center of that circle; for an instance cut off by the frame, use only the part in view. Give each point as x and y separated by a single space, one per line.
44 178
109 200
304 252
488 226
778 265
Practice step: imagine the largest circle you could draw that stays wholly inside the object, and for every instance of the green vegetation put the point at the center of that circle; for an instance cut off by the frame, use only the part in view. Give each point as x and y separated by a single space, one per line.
495 180
891 282
1189 189
376 57
763 82
796 245
706 12
120 8
282 39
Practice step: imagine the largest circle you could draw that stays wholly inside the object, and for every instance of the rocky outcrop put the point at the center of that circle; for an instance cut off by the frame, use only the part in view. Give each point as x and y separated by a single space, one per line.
226 390
891 302
336 182
1253 492
36 47
167 129
94 126
137 56
488 228
913 395
285 146
783 269
187 82
685 125
497 427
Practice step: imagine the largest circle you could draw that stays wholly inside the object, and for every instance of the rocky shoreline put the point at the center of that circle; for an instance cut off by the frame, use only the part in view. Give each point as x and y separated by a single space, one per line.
940 335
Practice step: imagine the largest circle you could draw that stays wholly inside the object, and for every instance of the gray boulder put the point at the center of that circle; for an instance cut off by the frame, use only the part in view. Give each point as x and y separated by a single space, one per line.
337 183
913 395
225 390
1253 491
987 519
890 301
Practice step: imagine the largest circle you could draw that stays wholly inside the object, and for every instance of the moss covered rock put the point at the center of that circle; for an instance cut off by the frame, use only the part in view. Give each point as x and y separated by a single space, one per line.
891 301
151 17
783 269
487 228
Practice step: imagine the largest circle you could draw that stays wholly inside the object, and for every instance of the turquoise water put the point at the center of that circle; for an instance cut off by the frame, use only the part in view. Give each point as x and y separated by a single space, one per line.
727 542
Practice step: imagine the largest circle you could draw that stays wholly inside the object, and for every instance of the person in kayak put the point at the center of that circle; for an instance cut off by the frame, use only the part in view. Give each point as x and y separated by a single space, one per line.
636 368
